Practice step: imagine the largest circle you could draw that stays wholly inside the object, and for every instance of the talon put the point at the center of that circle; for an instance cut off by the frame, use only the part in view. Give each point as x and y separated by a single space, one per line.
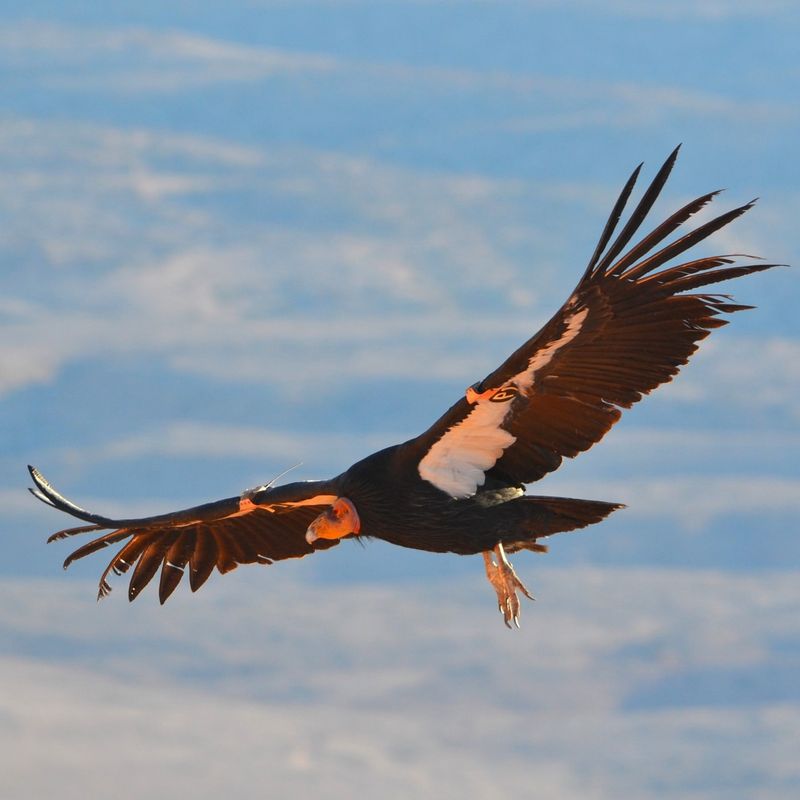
506 583
525 591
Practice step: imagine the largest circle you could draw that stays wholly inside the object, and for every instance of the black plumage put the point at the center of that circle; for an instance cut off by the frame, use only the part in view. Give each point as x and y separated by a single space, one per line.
459 487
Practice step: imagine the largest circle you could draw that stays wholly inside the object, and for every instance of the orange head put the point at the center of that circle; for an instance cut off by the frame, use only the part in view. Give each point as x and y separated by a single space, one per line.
340 520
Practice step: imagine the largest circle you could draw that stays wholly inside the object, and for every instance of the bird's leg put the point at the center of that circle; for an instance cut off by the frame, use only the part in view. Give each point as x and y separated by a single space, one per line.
505 581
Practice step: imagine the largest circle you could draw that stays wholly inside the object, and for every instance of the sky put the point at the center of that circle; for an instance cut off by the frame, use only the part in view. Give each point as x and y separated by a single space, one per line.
235 237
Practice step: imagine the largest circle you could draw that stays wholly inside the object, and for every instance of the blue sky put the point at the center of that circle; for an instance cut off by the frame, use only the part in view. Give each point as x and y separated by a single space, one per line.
239 236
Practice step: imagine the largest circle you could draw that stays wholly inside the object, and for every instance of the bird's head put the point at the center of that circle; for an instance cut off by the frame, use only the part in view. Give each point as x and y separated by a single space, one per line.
340 520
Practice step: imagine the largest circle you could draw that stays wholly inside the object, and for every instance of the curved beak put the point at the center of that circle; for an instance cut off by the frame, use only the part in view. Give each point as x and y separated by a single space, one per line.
340 520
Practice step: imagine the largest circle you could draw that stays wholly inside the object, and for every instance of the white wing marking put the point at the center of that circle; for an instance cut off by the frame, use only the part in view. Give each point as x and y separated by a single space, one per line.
457 462
542 357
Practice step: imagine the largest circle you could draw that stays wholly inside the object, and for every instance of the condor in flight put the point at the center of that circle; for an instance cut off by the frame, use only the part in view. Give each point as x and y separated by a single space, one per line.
459 487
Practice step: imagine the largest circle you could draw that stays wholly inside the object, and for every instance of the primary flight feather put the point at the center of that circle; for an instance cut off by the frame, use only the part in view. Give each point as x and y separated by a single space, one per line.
459 487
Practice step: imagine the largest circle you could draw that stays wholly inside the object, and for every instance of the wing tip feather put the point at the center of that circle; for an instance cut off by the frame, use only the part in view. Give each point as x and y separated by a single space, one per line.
39 495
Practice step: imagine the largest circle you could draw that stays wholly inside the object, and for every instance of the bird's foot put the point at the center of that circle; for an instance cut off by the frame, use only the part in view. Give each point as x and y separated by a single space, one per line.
506 583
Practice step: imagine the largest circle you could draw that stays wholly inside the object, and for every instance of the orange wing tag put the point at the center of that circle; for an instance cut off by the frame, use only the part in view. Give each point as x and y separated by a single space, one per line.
504 394
501 395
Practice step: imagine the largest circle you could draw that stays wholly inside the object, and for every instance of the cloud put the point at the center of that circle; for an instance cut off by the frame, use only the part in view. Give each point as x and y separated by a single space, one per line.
265 680
626 448
693 501
631 105
707 10
119 259
127 263
140 253
140 60
755 373
27 143
198 440
711 10
16 502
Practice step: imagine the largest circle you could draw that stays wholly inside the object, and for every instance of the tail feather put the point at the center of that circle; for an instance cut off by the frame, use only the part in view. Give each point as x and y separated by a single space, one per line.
549 515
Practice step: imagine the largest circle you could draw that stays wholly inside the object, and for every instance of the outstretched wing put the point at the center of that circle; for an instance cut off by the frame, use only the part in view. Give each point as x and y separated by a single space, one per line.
259 527
626 328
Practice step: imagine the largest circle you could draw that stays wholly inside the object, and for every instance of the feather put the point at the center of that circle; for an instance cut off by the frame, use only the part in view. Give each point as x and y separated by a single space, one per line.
627 327
174 564
611 222
640 212
203 558
149 562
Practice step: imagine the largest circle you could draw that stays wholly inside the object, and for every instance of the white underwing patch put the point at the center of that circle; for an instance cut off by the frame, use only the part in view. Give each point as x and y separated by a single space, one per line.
542 357
457 463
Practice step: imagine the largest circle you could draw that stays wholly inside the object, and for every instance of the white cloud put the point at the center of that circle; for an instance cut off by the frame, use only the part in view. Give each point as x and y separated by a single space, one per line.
16 501
130 266
754 373
201 440
711 10
20 368
693 501
26 143
133 268
596 104
151 61
142 60
263 679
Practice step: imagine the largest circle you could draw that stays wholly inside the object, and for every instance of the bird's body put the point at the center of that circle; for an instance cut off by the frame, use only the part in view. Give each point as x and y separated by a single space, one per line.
459 487
387 482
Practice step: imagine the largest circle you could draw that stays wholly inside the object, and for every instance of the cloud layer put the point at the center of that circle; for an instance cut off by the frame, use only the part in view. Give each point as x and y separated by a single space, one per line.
266 682
234 239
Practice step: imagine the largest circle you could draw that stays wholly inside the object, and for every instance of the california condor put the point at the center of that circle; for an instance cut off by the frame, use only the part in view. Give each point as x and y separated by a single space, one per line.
460 486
